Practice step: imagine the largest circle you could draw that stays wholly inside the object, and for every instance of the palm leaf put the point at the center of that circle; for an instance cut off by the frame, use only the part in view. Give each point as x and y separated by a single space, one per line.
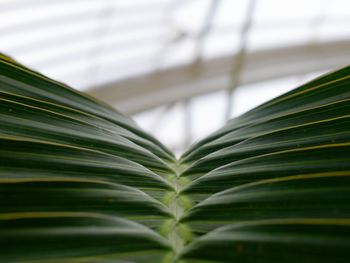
80 182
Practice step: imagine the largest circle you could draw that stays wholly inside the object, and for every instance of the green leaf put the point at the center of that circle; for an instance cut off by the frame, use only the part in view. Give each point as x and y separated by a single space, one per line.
80 182
291 240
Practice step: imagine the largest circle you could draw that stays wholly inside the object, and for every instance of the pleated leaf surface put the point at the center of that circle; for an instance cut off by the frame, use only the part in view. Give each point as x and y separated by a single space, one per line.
273 185
80 182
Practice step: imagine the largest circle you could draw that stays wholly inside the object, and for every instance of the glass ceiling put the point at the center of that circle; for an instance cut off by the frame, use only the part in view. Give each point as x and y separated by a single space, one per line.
180 66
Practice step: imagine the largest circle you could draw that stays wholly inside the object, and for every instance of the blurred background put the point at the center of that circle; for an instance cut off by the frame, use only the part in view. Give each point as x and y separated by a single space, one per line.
180 68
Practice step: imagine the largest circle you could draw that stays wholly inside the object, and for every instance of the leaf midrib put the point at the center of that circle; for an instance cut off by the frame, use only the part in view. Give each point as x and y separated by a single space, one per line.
177 209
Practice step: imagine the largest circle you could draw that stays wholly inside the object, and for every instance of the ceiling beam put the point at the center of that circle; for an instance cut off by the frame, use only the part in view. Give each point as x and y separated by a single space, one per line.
147 91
